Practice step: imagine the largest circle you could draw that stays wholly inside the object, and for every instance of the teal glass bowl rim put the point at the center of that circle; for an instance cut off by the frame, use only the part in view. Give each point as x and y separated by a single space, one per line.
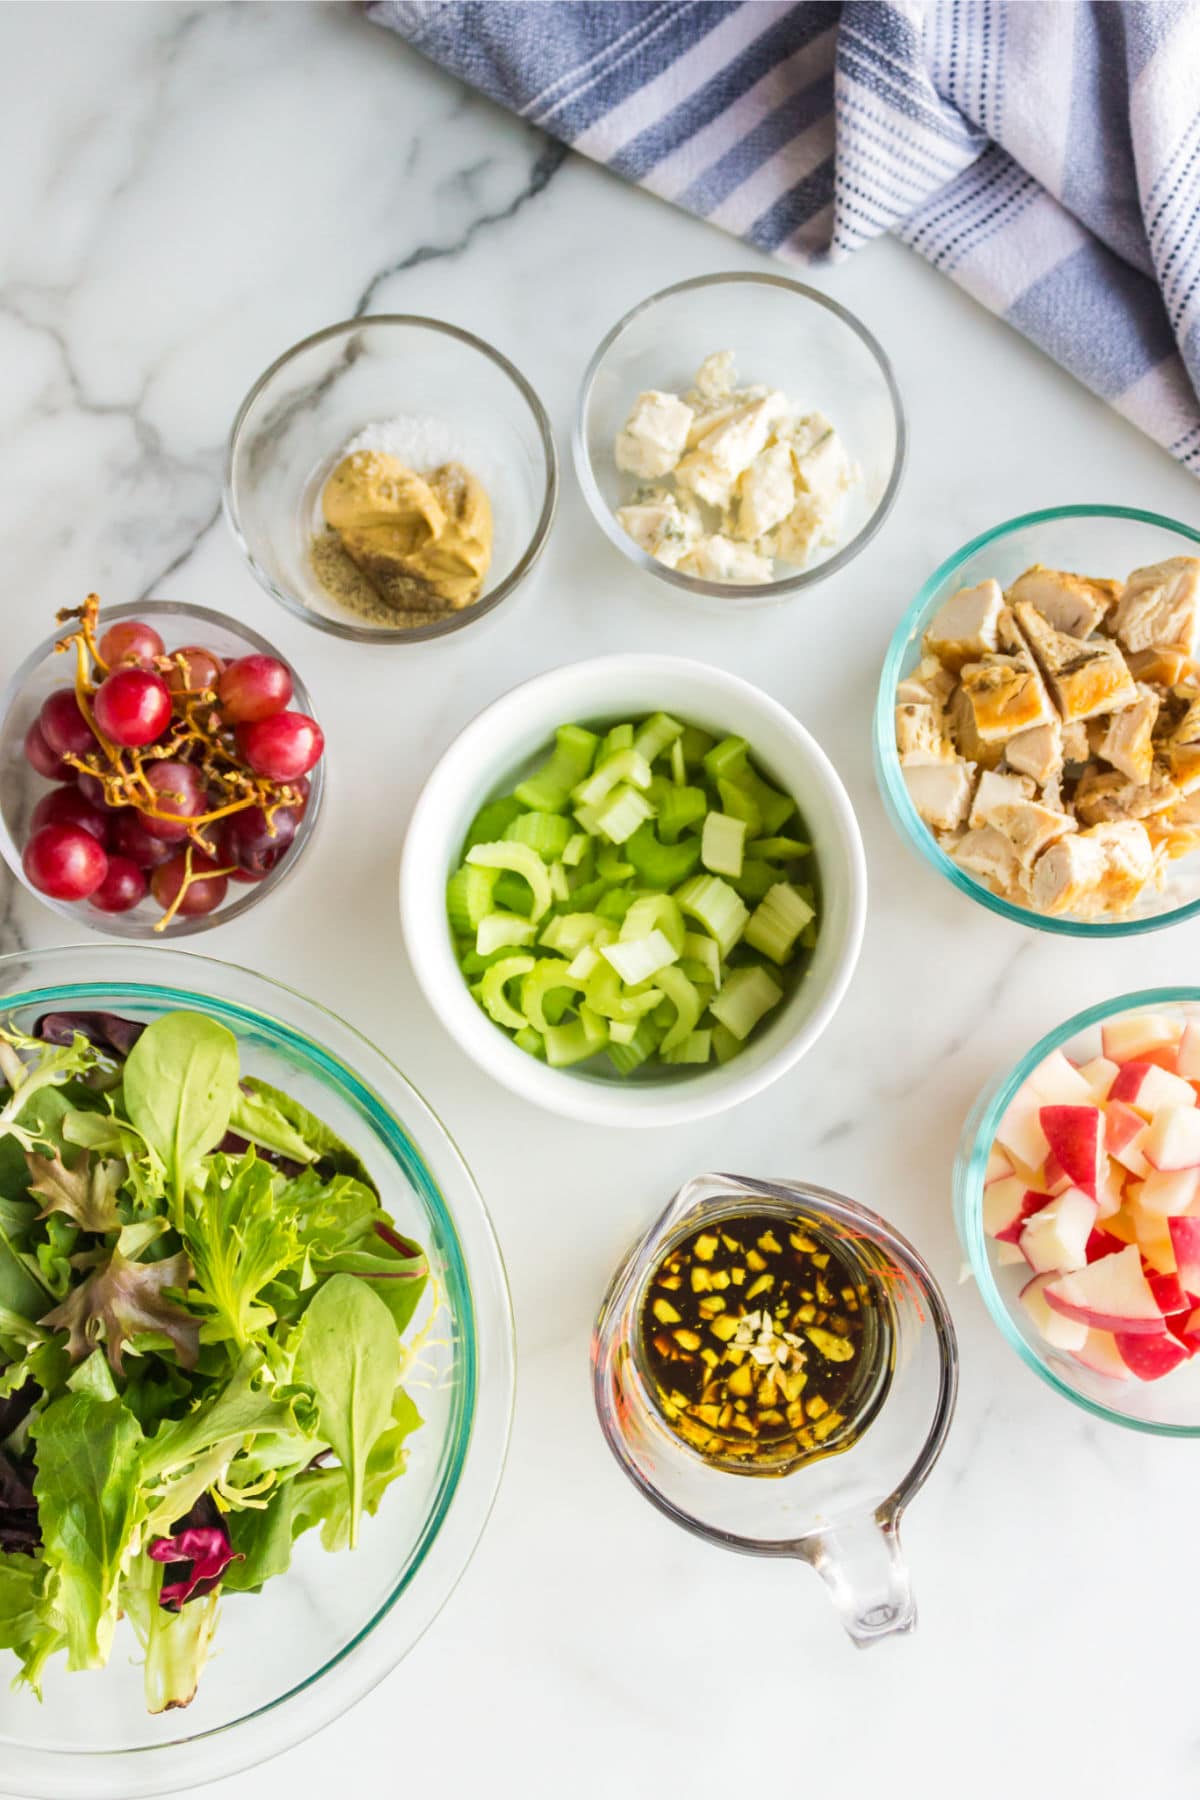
897 803
970 1166
458 1284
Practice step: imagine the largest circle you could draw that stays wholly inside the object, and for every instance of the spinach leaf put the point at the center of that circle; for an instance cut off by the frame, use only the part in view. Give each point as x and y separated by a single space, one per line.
239 1239
349 1356
89 1503
393 1268
278 1122
181 1080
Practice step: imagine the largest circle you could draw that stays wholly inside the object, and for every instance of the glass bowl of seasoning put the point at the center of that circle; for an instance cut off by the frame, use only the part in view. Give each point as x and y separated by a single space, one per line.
391 479
155 870
775 1368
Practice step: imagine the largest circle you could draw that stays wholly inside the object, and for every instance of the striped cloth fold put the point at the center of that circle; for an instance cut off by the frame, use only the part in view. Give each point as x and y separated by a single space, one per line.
1043 153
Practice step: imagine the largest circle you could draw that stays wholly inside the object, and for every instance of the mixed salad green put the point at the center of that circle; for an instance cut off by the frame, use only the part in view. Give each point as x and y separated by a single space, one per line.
202 1306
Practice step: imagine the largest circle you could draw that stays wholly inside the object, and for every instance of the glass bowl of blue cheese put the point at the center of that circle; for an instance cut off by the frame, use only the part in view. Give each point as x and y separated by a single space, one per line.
740 436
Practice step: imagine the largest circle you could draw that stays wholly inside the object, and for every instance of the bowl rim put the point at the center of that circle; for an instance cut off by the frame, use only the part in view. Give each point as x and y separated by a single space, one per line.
738 590
696 1094
108 924
897 803
979 1134
418 634
146 1767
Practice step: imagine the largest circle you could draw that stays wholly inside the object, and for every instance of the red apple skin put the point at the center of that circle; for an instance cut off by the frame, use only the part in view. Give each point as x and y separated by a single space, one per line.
1149 1357
1141 1314
1169 1291
1128 1084
1075 1136
1103 1243
1185 1242
1121 1125
1031 1202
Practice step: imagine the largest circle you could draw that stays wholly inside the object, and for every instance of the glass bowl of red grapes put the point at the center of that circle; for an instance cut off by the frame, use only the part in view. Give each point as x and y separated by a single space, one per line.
160 769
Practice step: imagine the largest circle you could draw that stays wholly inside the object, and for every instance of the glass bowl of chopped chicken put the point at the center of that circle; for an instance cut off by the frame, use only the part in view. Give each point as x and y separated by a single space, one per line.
1037 731
391 479
740 436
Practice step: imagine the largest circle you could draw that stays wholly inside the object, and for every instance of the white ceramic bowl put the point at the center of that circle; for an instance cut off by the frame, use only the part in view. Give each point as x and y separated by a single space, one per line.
494 751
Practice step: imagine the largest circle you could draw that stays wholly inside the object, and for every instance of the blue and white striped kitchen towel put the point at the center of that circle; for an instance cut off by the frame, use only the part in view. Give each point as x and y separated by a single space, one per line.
1044 153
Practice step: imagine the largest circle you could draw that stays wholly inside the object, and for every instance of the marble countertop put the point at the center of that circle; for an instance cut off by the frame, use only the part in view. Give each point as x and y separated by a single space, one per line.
192 189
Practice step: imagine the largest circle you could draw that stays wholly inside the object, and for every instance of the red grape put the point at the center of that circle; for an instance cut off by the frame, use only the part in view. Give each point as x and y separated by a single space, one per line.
180 791
41 757
91 787
254 687
132 707
64 862
66 806
248 841
282 747
64 726
130 641
122 887
202 896
201 669
131 840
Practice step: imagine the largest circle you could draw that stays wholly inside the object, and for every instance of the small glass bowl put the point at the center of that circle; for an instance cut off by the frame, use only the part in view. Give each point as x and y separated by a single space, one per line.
1103 541
21 787
781 332
1166 1408
297 1655
292 428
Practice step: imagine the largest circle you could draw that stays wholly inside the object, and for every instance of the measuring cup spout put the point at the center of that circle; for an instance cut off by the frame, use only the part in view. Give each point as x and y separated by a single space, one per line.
861 1564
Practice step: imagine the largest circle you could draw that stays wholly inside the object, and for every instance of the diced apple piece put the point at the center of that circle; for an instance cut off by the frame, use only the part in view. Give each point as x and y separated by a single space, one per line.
1006 1206
1186 1327
998 1166
1019 1131
1099 1074
1173 1140
1126 1039
1110 1194
1124 1134
1149 1088
1064 1334
1055 1237
1102 1243
1185 1241
1101 1354
1187 1062
1110 1295
1058 1082
1170 1293
1055 1179
1008 1254
1075 1135
1167 1193
1150 1355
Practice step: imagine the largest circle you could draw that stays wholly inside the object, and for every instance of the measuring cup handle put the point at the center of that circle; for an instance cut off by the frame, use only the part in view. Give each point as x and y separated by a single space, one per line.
861 1564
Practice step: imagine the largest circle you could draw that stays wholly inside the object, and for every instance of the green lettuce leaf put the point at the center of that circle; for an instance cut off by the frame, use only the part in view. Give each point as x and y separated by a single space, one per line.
29 1624
349 1356
279 1113
176 1644
239 1238
180 1083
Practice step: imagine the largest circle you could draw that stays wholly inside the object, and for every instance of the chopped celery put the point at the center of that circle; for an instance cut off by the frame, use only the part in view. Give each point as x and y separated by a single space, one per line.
625 1058
623 1031
611 865
560 886
569 932
587 896
518 859
586 960
471 963
713 904
575 849
699 948
549 788
808 937
491 990
726 758
679 808
605 994
513 893
498 929
688 1004
492 821
777 922
547 833
626 768
638 959
747 995
722 843
725 1045
541 978
614 903
678 763
619 738
657 733
739 805
531 1041
695 1048
573 1043
622 813
469 898
696 745
756 879
780 849
775 809
656 912
662 865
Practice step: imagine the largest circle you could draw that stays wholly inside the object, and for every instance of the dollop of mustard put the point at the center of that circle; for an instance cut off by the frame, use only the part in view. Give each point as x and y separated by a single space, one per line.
423 542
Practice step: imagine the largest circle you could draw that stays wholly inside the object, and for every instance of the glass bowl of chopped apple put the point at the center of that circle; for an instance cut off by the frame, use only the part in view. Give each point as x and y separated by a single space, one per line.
1037 729
739 436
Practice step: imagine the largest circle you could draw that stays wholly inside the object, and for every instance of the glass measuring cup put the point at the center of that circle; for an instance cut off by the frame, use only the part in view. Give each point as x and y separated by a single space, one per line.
840 1513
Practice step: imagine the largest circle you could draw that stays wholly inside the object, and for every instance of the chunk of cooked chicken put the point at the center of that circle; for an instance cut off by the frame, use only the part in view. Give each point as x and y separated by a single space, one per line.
965 627
921 735
1085 678
941 792
1067 874
1037 752
1160 666
961 715
997 790
1006 693
1127 741
1183 766
1029 827
1074 604
928 681
1102 798
1129 862
1075 742
988 854
1160 606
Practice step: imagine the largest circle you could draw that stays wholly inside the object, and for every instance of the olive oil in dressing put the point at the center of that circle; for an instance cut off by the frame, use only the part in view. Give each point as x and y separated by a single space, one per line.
765 1341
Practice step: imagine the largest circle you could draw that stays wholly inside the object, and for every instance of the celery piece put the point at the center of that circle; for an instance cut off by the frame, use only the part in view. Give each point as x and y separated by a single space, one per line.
588 895
518 859
678 808
588 820
726 758
742 1002
715 905
576 848
656 734
656 912
569 932
585 961
725 1045
606 995
739 805
722 843
626 768
678 764
531 1041
471 963
704 950
777 922
688 1004
514 894
696 745
469 898
623 1031
573 1043
496 1002
622 813
541 979
620 737
615 902
638 959
492 821
499 929
661 865
547 833
775 809
780 849
808 937
625 1058
756 879
611 865
560 886
695 1048
548 789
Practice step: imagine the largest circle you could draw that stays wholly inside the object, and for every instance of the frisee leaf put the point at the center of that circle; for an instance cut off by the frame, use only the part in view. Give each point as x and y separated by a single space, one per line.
122 1298
181 1079
239 1239
349 1356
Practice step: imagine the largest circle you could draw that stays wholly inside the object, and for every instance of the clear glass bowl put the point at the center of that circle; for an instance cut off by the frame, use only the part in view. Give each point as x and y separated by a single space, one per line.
314 1641
293 426
1167 1408
1106 541
21 787
781 332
